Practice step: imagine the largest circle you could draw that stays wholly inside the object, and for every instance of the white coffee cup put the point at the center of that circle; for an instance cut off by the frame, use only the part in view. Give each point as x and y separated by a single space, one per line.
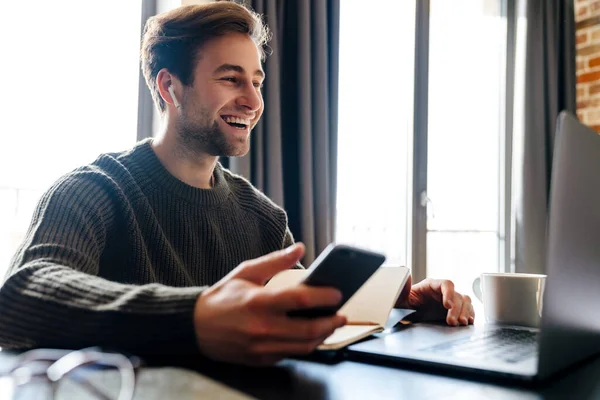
511 299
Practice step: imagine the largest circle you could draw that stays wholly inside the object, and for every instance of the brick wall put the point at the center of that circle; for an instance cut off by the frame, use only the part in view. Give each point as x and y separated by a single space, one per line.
587 15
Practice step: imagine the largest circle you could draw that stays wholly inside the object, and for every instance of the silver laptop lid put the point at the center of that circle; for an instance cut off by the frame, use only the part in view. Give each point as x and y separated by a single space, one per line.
571 310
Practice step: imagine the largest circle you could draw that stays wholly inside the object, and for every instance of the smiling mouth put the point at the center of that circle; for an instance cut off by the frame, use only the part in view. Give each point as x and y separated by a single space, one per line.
238 123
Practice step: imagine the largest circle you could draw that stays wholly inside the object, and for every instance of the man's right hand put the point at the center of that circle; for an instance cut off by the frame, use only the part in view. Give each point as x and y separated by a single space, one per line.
239 320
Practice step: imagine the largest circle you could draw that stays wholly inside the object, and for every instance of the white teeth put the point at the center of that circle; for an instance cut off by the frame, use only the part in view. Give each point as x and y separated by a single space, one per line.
237 120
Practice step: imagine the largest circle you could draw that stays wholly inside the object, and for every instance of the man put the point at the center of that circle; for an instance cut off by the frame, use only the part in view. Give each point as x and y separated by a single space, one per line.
161 250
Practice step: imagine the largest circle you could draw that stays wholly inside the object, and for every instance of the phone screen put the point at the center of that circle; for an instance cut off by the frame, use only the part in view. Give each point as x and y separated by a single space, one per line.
343 267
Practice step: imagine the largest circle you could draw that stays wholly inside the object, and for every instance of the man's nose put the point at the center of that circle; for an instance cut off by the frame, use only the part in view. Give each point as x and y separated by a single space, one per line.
251 99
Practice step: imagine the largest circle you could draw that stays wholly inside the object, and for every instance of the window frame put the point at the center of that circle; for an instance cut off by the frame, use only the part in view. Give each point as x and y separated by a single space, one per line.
417 254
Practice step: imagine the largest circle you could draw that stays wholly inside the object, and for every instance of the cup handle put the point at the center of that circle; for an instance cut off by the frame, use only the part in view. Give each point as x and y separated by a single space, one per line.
477 288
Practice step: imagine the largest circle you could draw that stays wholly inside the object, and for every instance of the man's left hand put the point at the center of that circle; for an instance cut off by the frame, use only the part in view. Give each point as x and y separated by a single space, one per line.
436 300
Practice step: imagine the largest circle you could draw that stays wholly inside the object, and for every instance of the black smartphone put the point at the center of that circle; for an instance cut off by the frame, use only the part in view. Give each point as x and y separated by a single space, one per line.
343 267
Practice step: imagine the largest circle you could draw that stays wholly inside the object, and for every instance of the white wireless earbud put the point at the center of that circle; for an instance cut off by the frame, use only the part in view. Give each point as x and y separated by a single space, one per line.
172 92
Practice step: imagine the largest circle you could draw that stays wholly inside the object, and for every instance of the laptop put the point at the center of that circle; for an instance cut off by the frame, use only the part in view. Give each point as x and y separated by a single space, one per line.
570 325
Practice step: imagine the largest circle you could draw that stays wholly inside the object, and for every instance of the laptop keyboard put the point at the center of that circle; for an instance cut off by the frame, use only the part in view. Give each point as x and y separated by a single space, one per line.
505 344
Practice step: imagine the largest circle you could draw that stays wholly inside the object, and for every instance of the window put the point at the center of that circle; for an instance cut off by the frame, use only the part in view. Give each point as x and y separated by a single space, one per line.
375 125
467 68
72 94
466 107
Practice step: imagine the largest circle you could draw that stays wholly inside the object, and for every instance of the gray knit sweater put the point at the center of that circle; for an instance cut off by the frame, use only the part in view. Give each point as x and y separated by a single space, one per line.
118 252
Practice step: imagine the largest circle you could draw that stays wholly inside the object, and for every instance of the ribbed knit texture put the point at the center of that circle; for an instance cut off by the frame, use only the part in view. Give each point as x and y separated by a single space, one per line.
118 252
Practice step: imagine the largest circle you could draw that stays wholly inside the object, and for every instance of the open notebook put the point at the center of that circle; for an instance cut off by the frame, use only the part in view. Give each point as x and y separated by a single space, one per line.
367 311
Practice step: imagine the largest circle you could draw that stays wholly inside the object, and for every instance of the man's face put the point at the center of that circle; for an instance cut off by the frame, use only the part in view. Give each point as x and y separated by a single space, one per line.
225 101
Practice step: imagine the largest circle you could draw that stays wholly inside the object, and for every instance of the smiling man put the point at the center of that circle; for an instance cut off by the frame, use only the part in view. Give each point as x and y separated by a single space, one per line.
159 249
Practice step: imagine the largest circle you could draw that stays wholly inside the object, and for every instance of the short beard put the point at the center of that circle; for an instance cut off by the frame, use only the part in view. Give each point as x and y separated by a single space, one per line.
199 136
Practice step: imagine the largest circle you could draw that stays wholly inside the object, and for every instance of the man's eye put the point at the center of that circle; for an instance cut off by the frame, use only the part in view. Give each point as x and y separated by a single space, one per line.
258 85
230 79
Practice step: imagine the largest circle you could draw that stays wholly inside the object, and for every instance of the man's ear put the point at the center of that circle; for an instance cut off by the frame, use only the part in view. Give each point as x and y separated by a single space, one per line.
167 85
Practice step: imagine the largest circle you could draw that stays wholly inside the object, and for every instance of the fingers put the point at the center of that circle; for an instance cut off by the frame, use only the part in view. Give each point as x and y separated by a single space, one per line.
290 336
304 329
442 291
462 312
274 305
297 297
436 299
451 300
467 314
287 329
448 294
460 308
454 311
260 270
438 290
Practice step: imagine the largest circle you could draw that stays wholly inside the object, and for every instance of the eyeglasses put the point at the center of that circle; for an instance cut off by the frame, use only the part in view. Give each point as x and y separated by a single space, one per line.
53 366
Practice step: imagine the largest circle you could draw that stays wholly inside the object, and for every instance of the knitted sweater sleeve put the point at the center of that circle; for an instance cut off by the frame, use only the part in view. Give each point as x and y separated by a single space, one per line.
52 296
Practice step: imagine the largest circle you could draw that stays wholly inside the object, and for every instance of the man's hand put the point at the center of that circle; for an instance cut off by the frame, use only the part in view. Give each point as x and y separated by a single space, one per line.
435 300
239 320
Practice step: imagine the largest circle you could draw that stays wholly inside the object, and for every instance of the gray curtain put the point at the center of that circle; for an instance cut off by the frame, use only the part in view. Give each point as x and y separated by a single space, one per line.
293 154
550 86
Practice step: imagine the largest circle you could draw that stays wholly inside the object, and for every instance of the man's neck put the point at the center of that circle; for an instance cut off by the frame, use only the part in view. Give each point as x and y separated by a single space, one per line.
191 168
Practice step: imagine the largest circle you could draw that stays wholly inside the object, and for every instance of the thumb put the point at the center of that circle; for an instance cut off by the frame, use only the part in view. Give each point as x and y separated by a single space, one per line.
260 270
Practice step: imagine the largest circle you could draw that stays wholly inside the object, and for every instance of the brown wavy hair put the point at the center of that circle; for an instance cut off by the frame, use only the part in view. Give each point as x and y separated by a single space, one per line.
174 40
